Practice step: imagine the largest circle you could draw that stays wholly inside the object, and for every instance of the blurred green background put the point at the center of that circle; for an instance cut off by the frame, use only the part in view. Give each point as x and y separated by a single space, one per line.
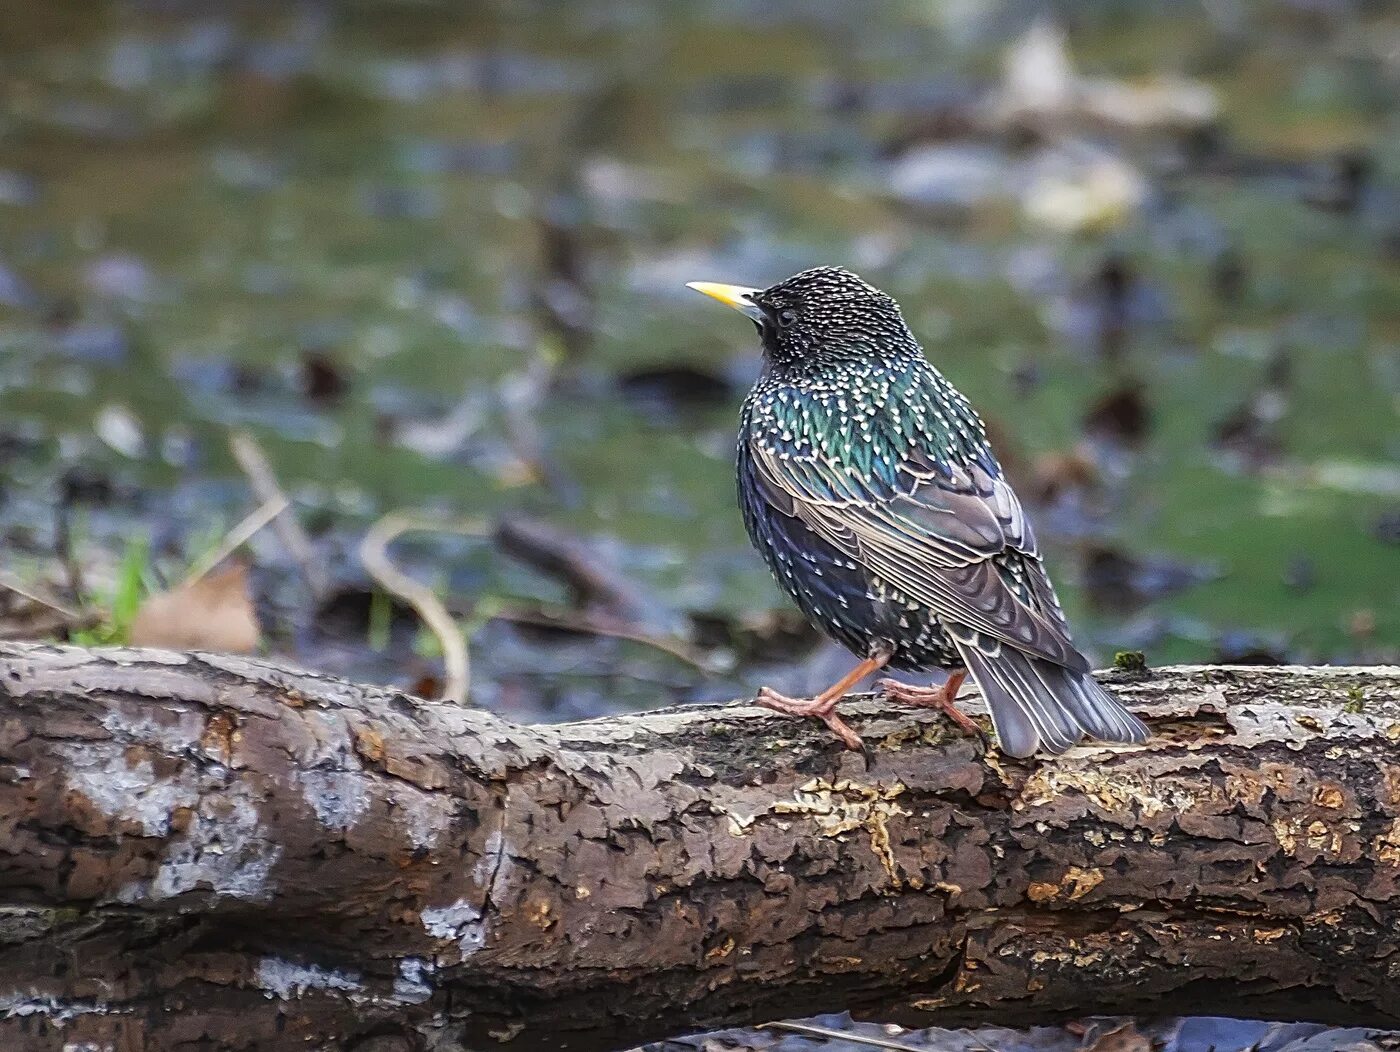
432 256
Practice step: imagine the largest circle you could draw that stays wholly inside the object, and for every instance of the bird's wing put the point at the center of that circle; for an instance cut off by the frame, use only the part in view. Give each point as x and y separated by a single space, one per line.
956 541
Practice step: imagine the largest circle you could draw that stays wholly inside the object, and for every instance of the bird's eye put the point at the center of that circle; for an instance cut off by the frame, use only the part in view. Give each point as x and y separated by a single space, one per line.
786 317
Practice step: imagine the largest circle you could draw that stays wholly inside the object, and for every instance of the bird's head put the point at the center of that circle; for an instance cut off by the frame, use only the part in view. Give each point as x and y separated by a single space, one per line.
819 313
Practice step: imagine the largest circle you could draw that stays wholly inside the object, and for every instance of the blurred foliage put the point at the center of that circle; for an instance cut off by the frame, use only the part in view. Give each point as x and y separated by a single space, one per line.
433 256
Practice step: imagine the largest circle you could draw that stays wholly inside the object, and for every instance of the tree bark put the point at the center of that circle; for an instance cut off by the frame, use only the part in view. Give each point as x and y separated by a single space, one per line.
218 853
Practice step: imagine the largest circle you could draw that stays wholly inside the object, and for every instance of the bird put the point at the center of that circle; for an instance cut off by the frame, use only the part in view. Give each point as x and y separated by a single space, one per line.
867 484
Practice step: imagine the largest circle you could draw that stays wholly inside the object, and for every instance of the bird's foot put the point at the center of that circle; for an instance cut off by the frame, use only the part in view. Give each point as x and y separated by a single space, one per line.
822 708
941 698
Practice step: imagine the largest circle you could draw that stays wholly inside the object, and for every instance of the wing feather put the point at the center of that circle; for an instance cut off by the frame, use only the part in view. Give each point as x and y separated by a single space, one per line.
942 536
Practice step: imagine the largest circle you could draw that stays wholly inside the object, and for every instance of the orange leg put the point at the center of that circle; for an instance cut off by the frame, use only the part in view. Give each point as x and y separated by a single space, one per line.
823 706
934 698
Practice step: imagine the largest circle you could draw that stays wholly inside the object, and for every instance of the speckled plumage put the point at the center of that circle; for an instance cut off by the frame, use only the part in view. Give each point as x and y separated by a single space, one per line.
867 483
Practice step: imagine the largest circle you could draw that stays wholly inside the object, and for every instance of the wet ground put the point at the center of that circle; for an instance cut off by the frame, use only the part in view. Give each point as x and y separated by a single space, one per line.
433 259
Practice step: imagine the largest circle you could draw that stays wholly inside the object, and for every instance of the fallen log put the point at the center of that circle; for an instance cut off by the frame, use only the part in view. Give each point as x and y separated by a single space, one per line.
221 853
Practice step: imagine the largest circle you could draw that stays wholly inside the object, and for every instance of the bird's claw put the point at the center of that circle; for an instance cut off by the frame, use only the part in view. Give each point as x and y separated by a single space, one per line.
940 698
769 698
823 710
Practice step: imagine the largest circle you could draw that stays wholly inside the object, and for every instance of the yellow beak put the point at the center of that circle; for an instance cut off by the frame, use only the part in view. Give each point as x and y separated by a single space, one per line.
737 296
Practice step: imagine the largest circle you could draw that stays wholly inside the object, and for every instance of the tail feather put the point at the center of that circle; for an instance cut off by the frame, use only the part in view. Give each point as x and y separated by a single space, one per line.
1037 704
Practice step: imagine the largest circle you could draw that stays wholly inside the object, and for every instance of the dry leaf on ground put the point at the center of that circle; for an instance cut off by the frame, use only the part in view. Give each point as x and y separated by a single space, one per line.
213 613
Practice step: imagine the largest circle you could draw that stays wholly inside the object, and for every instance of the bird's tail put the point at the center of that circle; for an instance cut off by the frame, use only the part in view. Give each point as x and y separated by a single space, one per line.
1037 704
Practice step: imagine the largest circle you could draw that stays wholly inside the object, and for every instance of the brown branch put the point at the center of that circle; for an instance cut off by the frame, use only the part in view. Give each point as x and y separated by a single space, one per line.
221 853
556 554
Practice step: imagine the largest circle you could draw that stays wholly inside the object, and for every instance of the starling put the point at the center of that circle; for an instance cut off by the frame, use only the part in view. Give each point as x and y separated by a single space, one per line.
867 484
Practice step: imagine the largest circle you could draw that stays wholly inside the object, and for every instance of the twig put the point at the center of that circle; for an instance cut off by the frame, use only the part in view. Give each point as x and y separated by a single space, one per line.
63 547
808 1030
237 537
10 584
556 554
374 554
250 458
55 617
598 625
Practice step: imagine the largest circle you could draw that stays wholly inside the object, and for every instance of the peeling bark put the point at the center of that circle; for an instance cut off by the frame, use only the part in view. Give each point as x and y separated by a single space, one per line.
218 853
